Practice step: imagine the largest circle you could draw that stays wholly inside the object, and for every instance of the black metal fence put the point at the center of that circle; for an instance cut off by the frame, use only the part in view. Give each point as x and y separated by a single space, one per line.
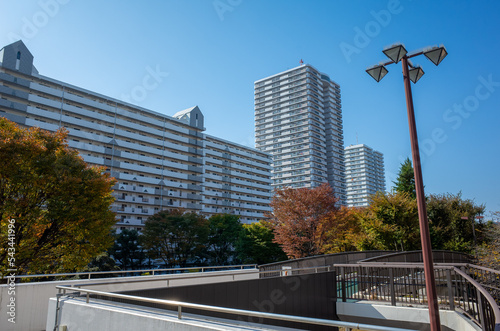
398 278
320 260
488 278
404 283
438 256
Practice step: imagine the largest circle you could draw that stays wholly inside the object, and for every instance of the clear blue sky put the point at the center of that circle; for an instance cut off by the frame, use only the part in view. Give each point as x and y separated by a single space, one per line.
209 53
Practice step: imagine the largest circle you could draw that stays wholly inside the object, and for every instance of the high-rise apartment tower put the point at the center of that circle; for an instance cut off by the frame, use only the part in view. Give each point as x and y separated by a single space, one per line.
298 119
364 170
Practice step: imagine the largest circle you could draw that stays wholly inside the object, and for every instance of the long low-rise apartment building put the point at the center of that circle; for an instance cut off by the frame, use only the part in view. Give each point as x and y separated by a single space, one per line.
159 161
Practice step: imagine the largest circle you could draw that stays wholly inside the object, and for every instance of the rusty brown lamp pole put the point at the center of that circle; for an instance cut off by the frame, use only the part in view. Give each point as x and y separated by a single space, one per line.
412 73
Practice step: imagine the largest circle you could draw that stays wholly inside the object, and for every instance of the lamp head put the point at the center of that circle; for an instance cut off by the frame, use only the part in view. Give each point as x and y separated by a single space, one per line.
415 74
377 72
436 54
395 52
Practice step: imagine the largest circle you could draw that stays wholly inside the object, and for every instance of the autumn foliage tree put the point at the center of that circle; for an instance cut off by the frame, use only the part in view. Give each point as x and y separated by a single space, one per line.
58 205
301 219
346 232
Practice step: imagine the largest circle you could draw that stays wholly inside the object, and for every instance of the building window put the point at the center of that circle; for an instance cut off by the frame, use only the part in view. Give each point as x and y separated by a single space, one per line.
18 60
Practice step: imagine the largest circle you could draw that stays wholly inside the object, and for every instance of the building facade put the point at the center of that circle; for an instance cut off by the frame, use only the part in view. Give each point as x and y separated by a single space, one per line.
159 162
365 176
298 119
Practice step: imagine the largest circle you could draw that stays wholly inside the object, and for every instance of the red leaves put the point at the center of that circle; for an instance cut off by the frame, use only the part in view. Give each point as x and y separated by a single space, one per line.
301 218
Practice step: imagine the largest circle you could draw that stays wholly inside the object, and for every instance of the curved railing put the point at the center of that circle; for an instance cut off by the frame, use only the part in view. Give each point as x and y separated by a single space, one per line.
478 303
488 278
438 256
463 287
322 260
404 284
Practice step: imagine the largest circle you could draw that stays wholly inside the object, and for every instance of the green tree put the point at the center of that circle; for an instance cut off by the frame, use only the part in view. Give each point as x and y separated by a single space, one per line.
452 222
56 207
127 250
256 244
102 262
406 179
224 232
390 222
176 237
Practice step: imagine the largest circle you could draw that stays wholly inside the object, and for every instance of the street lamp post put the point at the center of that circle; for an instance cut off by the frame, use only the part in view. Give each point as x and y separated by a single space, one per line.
474 218
412 73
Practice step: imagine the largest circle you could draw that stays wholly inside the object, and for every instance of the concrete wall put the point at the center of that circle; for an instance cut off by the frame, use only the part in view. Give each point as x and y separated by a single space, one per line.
404 317
32 299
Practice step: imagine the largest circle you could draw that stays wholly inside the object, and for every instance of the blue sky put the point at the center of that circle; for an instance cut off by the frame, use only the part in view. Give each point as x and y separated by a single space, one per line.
209 53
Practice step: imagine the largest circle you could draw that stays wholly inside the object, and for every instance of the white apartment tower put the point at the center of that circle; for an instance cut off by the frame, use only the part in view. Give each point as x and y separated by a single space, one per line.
364 171
298 119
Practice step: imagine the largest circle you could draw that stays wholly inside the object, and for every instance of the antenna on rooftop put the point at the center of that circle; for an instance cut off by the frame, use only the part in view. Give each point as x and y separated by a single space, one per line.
357 143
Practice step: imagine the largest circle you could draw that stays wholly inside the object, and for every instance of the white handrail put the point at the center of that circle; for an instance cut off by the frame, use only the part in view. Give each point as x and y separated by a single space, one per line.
90 273
234 311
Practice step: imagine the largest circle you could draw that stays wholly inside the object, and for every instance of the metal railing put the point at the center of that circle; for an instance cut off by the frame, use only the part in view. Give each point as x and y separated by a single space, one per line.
206 308
458 286
477 302
327 259
488 278
438 256
126 273
177 276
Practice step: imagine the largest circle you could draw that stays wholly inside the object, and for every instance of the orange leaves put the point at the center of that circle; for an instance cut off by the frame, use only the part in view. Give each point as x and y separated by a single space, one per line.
342 234
301 218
